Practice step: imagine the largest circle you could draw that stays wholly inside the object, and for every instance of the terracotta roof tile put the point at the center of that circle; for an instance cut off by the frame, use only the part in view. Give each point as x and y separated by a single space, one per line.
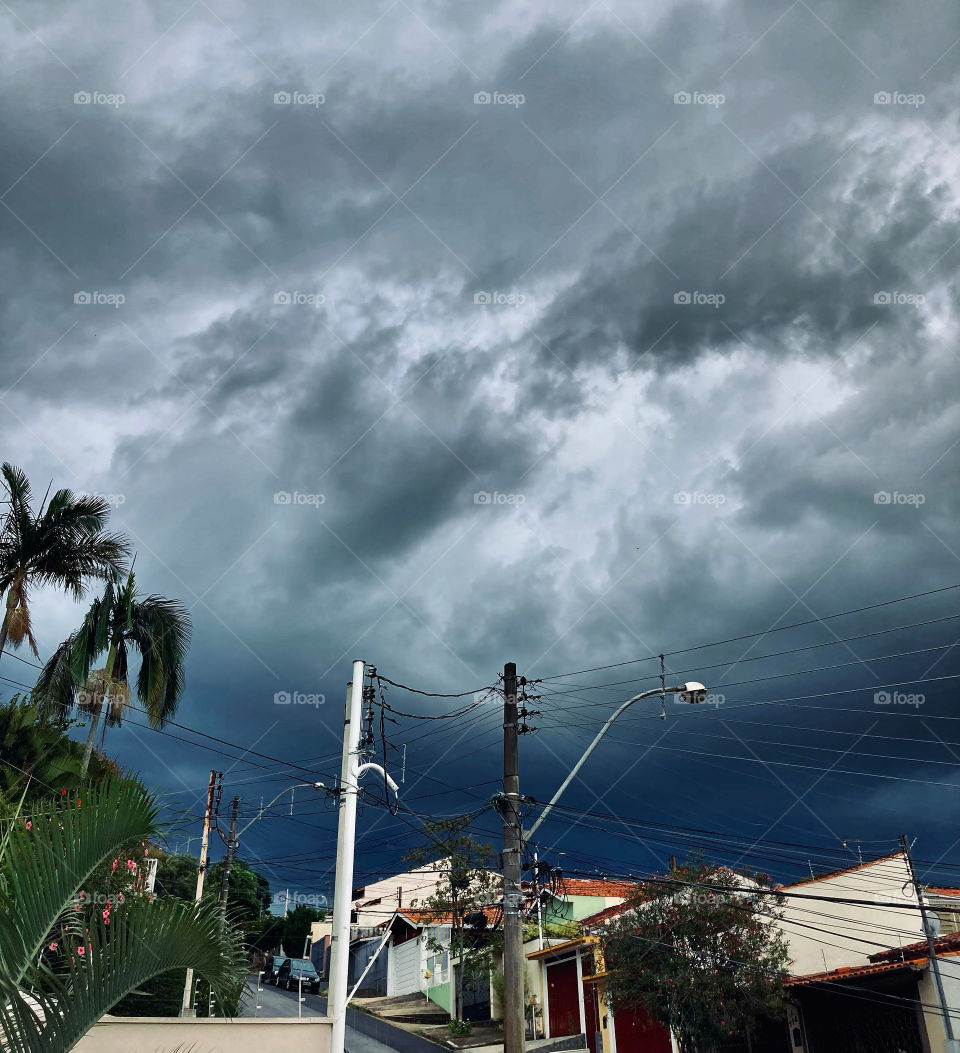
912 951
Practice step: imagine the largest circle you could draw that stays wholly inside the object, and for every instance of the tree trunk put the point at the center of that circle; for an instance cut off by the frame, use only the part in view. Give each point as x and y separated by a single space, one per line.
91 735
3 632
97 710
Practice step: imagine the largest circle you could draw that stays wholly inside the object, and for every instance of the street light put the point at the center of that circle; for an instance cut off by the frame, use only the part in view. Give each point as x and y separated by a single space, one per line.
691 692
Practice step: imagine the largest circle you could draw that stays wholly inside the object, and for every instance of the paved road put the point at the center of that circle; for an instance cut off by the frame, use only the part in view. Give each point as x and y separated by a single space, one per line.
275 1001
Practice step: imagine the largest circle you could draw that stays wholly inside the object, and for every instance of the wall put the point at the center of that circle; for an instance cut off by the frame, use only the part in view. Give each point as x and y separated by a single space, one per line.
440 994
950 974
856 931
148 1034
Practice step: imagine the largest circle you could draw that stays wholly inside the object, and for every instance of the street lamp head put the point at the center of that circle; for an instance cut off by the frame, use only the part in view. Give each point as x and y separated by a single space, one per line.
319 786
693 692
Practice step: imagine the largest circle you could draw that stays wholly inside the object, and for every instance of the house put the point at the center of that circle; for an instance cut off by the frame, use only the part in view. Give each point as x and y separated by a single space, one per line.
572 994
377 902
861 976
419 959
574 898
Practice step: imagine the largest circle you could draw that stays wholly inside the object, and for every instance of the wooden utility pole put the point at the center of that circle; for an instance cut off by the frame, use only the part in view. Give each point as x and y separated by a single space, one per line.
186 1007
513 960
228 863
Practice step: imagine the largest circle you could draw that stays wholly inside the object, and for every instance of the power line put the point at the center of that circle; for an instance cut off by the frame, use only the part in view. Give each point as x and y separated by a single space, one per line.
750 636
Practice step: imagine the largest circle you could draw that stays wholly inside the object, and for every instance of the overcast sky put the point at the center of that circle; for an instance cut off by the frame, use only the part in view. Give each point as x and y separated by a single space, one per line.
446 335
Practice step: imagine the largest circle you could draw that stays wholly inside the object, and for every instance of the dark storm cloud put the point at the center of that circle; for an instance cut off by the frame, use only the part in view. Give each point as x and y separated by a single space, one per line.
590 403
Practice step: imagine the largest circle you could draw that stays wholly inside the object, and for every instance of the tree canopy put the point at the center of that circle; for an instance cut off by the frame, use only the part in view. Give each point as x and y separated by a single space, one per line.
699 952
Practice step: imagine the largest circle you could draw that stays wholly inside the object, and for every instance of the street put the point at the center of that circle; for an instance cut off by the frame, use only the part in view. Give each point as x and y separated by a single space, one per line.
275 1001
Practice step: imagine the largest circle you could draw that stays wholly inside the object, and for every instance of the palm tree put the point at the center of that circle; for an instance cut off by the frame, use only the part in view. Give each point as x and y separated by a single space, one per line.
158 628
60 971
63 544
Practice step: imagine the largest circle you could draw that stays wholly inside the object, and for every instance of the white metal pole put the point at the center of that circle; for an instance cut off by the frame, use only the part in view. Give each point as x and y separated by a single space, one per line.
346 837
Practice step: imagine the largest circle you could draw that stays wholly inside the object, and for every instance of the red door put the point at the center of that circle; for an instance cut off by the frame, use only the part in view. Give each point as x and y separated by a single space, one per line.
637 1033
563 1000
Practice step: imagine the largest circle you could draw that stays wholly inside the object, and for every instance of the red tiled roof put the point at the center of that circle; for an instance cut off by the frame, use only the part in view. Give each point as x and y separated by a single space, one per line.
942 891
912 951
435 917
609 889
848 972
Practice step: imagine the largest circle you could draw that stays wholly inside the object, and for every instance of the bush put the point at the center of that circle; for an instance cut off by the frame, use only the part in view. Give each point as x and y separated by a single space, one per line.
460 1027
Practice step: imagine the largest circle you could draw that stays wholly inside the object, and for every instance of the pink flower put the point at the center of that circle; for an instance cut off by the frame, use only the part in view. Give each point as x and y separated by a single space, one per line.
106 915
29 825
81 949
113 866
52 947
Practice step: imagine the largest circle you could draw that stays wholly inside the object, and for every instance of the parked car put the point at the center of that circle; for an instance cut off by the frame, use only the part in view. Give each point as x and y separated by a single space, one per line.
270 968
296 972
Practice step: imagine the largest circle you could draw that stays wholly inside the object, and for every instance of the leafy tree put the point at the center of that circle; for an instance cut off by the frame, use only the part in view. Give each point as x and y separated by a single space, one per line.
63 544
248 894
77 965
467 885
176 876
38 759
707 962
159 629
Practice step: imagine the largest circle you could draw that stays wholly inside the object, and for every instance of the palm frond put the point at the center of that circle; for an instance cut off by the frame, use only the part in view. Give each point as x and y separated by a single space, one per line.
53 691
46 864
161 632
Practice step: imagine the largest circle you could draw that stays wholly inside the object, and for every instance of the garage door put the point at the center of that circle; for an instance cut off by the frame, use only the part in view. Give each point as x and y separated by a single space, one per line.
405 968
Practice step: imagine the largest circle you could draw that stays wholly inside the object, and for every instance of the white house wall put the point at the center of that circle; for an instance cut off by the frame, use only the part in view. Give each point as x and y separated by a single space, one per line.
850 932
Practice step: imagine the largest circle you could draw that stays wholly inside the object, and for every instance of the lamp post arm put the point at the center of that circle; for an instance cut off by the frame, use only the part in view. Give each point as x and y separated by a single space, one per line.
593 745
259 814
376 767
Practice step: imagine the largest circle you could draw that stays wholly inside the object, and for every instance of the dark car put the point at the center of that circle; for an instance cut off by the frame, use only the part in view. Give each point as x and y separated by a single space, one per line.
270 968
298 973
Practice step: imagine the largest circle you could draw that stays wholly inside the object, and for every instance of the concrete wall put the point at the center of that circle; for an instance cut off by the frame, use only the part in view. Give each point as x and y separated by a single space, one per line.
950 974
855 930
164 1034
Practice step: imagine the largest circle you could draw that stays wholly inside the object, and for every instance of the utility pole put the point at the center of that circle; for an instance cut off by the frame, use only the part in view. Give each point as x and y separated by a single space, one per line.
513 961
346 838
185 1008
228 863
952 1045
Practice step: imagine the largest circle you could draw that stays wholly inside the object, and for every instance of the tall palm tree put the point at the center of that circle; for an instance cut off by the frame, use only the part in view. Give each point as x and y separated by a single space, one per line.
158 628
63 544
